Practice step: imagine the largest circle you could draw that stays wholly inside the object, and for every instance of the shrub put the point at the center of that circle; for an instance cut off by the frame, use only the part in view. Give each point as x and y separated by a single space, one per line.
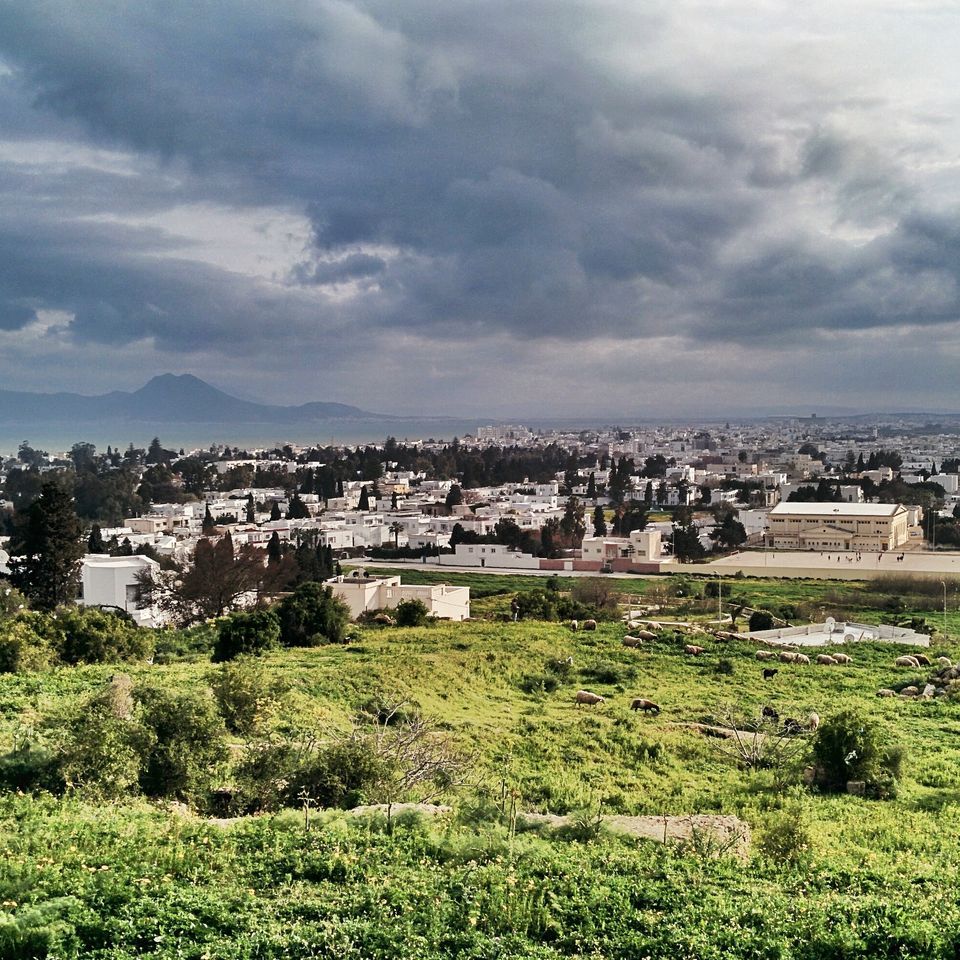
609 672
848 747
21 647
243 694
761 620
311 616
411 613
724 667
91 635
186 743
539 683
246 633
535 605
785 837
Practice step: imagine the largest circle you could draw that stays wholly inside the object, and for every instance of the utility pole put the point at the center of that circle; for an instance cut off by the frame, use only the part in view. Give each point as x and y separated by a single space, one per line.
943 583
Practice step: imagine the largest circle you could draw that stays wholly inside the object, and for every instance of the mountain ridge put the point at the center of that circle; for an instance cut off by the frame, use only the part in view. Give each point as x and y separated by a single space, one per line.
182 398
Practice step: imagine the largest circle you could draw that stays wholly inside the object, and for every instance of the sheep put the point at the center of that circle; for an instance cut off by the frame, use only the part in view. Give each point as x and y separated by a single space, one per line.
786 656
768 713
591 699
769 674
630 641
944 661
826 660
886 692
910 692
647 706
842 657
693 650
574 626
653 625
765 654
906 661
791 727
646 635
922 659
589 624
813 722
802 658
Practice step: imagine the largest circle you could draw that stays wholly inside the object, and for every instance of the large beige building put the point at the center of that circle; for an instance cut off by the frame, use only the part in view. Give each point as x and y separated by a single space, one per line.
839 526
362 593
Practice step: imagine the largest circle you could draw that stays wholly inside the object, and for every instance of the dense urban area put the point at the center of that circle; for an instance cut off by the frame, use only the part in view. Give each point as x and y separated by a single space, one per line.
517 694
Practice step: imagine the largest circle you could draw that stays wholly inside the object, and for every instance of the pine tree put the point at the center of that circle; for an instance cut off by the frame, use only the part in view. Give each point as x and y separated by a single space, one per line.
364 503
208 522
251 511
599 522
274 550
275 511
95 544
592 486
45 564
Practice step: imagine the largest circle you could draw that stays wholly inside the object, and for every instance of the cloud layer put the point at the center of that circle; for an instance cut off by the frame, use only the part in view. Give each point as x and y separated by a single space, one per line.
565 207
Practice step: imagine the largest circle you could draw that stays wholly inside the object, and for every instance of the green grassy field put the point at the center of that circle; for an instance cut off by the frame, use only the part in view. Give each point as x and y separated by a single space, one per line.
828 876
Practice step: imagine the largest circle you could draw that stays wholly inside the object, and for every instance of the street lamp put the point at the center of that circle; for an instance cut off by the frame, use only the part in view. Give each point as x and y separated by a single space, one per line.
943 583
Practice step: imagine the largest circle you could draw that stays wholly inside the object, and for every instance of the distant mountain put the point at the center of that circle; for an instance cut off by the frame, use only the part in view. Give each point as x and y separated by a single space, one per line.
165 399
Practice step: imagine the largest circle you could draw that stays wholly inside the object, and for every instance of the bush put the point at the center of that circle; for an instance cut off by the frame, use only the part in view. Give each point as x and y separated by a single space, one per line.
244 696
411 613
761 620
186 743
535 605
609 672
91 635
21 647
539 683
785 838
246 633
311 616
848 747
724 667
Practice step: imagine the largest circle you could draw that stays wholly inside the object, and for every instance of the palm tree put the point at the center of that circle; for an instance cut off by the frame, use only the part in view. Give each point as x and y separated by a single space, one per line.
396 529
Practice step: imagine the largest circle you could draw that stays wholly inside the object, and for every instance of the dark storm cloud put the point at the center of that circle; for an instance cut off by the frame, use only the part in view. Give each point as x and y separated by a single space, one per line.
474 170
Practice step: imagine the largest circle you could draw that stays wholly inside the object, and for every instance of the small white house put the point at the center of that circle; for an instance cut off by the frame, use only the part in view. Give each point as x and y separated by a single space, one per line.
362 593
112 582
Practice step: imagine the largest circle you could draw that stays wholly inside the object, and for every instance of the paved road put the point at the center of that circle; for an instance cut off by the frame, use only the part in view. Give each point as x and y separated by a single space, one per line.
759 563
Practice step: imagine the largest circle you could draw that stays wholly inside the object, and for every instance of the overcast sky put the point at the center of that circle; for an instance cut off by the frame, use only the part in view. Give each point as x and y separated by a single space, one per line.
496 207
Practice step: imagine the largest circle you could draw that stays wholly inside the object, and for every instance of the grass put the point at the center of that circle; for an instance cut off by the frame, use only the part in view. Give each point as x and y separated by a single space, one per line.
862 878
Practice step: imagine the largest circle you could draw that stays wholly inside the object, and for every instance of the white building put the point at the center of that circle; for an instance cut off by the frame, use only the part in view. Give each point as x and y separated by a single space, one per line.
112 582
362 593
488 554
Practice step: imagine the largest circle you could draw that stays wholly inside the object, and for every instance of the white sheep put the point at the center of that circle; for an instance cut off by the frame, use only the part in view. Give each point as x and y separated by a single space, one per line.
826 660
765 654
591 699
906 661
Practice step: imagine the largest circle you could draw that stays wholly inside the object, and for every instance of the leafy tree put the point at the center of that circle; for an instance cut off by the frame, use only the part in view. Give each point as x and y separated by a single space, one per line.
686 540
83 457
454 496
729 534
572 524
311 616
244 633
761 620
91 635
46 554
411 613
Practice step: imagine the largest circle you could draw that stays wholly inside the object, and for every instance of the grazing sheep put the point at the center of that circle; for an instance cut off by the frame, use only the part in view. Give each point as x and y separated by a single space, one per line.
786 656
768 713
645 635
944 661
910 692
792 726
813 721
826 660
630 641
769 674
906 662
765 654
574 626
842 657
886 692
802 658
589 624
591 699
693 650
647 706
653 625
922 659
